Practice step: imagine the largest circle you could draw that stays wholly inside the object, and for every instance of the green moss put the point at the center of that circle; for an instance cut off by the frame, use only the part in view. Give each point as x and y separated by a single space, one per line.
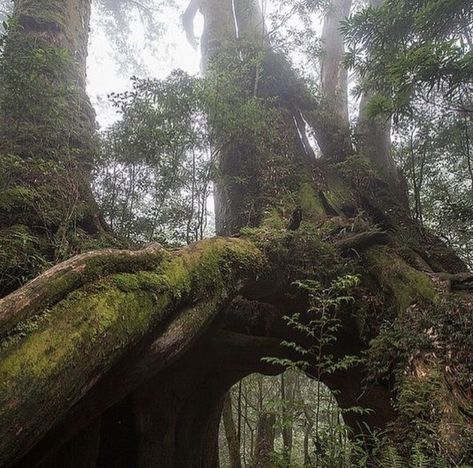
274 219
84 318
89 331
15 197
406 284
52 12
357 168
310 202
298 255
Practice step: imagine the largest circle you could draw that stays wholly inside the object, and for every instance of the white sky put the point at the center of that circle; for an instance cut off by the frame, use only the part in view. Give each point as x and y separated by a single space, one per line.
103 72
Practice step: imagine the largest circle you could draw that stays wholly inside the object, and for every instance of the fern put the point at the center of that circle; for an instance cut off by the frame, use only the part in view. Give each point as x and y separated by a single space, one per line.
390 458
418 458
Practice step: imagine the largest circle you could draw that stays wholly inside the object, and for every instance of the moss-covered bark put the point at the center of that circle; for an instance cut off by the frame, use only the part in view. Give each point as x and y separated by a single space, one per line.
72 350
49 366
47 126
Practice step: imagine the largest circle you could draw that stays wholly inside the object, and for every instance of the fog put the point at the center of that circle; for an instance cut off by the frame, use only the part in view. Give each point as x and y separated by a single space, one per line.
109 64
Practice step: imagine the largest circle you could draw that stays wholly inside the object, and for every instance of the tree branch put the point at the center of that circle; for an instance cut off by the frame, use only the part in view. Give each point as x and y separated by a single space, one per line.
54 284
46 370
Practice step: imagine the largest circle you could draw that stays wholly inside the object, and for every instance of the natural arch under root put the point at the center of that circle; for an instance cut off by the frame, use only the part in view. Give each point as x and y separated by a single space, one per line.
171 380
173 420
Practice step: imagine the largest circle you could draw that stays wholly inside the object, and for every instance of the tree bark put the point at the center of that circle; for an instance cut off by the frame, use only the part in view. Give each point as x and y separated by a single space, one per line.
287 398
47 127
81 452
375 139
231 433
100 320
334 83
264 446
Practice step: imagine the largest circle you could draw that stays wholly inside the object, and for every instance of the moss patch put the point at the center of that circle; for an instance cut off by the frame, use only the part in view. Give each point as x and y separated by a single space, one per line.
406 284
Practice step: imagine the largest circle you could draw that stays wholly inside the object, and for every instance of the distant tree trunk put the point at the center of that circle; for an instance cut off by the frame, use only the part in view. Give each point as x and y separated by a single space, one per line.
307 436
287 397
334 83
231 433
264 446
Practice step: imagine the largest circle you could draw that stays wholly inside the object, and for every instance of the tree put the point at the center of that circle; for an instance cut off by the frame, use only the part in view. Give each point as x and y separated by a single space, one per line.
231 433
47 141
165 334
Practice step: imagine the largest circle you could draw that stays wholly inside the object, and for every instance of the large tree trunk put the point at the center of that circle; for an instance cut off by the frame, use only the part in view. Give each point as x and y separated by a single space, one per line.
336 142
167 333
374 132
47 126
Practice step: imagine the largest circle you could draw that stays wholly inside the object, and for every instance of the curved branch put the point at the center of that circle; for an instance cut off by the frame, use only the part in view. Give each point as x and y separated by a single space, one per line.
188 22
46 370
363 240
55 283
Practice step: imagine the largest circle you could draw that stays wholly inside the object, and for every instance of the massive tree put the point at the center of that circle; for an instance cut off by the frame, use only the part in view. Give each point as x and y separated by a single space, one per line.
142 346
47 143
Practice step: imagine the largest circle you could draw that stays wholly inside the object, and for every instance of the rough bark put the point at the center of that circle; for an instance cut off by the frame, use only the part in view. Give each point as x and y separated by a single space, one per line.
242 191
47 129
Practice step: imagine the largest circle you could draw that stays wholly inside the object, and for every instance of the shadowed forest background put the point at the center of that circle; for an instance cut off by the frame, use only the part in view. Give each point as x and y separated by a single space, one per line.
328 144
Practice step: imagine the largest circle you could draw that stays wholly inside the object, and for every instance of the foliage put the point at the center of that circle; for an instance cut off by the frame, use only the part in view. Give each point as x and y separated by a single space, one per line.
415 352
434 149
154 177
134 29
153 180
320 327
423 52
416 47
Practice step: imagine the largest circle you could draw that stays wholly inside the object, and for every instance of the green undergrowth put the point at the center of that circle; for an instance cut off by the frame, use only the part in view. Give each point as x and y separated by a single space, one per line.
426 355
